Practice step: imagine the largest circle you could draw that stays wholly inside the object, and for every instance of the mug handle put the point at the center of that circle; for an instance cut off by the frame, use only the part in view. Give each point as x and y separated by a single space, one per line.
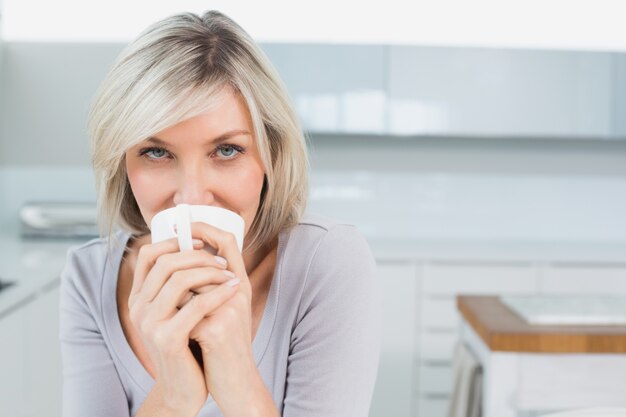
183 227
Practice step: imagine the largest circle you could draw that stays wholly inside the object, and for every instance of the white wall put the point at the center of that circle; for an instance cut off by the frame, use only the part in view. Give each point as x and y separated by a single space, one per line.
46 92
502 23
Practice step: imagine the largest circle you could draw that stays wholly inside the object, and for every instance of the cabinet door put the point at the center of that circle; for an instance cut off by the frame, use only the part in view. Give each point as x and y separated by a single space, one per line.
12 381
393 395
439 322
335 88
43 367
498 92
584 278
452 278
432 406
619 93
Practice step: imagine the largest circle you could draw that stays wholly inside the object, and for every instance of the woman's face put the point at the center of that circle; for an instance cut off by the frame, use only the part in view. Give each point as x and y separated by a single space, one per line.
210 159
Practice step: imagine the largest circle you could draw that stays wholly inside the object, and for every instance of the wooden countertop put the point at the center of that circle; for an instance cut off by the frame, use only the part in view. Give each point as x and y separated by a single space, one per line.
502 330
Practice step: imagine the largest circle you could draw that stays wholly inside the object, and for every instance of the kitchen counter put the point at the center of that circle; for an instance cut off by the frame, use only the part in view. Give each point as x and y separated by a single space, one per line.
502 330
33 265
528 368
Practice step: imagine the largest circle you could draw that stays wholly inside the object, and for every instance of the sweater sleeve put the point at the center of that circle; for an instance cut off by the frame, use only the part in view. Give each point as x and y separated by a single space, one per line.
91 385
335 345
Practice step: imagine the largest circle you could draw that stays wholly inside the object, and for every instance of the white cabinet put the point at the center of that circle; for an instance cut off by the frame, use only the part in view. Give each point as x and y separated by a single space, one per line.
394 392
30 360
12 363
43 351
499 92
335 88
584 278
432 406
454 91
2 93
439 312
451 278
419 383
619 88
437 377
439 321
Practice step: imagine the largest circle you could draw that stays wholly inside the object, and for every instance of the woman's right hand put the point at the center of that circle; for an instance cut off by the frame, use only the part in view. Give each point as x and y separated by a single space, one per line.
162 280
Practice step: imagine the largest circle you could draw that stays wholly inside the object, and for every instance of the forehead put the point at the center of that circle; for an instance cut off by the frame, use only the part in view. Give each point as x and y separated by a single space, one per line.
222 112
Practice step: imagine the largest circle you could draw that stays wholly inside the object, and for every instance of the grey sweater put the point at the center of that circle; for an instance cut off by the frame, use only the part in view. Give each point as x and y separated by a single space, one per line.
316 347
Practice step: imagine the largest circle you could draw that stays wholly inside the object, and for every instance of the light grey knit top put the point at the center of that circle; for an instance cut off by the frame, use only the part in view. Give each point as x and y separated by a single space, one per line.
316 346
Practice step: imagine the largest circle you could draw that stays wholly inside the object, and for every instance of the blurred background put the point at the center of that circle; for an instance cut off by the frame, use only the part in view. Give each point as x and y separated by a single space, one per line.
479 145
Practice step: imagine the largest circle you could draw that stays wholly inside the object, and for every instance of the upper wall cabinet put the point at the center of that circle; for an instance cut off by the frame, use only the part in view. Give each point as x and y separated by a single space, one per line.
1 18
619 91
446 91
335 88
492 92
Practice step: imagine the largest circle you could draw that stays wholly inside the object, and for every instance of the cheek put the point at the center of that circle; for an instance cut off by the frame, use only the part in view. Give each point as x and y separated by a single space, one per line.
248 192
149 197
250 188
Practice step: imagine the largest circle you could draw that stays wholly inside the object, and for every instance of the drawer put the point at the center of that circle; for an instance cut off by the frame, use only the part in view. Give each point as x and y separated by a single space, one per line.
479 278
394 392
435 378
437 346
439 312
398 290
395 385
432 406
13 361
584 279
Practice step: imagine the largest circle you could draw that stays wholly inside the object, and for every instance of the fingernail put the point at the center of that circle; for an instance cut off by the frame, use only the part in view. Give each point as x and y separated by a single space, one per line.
220 260
229 274
233 282
197 242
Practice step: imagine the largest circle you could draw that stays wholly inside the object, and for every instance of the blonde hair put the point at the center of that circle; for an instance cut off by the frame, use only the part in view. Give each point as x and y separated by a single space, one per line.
173 71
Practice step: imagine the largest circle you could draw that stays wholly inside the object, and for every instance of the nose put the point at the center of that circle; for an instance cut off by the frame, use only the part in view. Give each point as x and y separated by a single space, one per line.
194 186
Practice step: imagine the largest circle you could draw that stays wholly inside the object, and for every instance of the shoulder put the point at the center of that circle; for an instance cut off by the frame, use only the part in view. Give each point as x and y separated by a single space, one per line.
319 230
330 249
86 263
331 264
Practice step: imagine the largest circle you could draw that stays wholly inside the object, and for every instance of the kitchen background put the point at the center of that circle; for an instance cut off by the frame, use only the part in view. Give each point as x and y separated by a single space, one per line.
473 169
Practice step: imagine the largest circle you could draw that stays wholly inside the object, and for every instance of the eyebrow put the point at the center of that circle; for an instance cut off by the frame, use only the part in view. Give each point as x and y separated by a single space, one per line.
221 138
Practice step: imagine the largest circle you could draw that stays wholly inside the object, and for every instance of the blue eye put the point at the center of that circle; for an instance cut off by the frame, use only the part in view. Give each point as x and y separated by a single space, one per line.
228 151
154 153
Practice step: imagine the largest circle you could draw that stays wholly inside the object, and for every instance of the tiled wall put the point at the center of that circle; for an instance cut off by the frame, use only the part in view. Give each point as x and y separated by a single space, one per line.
435 206
409 205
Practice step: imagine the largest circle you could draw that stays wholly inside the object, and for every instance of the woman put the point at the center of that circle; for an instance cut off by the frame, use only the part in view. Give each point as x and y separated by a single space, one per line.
193 113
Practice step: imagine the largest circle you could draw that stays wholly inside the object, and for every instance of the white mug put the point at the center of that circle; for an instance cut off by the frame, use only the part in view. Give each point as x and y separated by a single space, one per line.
176 222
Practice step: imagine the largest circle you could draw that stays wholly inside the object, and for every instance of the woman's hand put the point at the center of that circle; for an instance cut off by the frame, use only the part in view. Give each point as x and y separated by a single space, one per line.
163 280
225 337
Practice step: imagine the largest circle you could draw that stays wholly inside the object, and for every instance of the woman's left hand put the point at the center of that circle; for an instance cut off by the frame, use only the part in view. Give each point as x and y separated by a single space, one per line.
225 336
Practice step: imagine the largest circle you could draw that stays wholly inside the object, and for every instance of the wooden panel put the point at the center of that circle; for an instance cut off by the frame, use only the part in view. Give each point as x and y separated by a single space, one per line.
502 330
